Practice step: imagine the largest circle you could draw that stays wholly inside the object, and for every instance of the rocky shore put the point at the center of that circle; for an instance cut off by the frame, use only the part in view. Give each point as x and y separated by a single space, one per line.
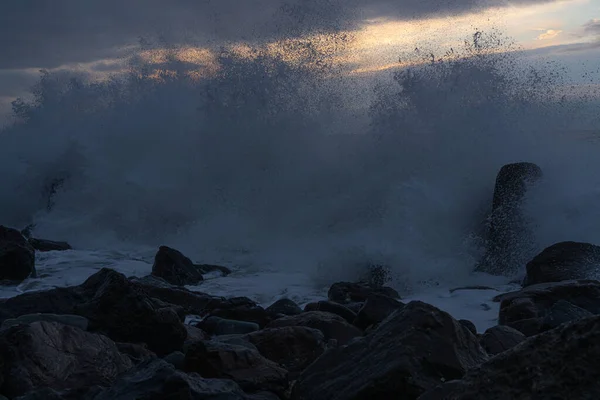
126 338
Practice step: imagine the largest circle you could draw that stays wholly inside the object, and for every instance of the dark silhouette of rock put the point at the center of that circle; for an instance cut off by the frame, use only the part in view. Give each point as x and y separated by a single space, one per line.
175 268
469 325
509 241
562 312
334 308
72 320
17 257
242 309
412 351
331 325
245 366
157 379
220 326
285 307
375 309
500 338
48 245
293 347
348 292
564 261
559 364
49 354
137 353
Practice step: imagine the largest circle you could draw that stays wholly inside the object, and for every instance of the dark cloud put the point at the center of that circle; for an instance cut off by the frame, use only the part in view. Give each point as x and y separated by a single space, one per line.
592 27
13 83
42 33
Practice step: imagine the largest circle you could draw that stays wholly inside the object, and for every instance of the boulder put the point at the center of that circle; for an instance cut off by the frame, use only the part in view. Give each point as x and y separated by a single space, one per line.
49 354
48 245
559 364
509 240
220 326
157 379
17 257
242 309
292 347
285 307
562 312
469 325
331 325
411 352
375 309
177 269
562 262
334 308
245 366
72 320
176 359
137 353
348 292
500 338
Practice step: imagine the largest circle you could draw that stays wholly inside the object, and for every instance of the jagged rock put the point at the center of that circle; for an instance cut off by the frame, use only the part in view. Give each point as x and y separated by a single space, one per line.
534 302
72 320
334 308
250 370
469 325
17 257
564 261
48 245
562 312
375 309
559 364
331 325
137 353
113 306
509 239
285 307
49 354
157 379
242 309
176 359
500 338
293 347
412 351
194 334
347 292
220 326
175 268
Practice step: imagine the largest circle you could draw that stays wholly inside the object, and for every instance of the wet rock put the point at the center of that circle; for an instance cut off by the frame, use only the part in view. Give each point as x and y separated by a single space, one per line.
157 379
509 239
17 257
137 353
48 245
331 325
500 338
71 320
562 312
375 309
285 307
243 309
412 351
250 370
564 261
292 347
347 292
469 325
194 334
559 364
177 269
529 327
49 354
334 308
220 326
176 359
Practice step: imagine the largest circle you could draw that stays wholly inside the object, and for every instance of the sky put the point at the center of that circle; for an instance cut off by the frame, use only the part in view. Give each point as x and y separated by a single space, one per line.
96 36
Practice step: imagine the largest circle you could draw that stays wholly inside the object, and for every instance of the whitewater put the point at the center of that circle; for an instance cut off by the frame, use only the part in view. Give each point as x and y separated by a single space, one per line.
297 174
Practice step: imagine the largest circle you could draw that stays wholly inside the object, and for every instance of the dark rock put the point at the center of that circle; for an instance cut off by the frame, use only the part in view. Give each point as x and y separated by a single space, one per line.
243 309
72 320
355 307
334 308
175 268
412 351
49 245
469 325
375 309
157 379
535 301
17 257
564 261
347 292
220 326
500 338
529 327
509 239
562 312
194 334
49 354
245 366
176 359
137 353
331 325
293 347
559 364
285 307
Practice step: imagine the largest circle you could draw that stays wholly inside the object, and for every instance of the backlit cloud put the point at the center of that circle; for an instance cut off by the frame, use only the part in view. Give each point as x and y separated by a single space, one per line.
549 34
